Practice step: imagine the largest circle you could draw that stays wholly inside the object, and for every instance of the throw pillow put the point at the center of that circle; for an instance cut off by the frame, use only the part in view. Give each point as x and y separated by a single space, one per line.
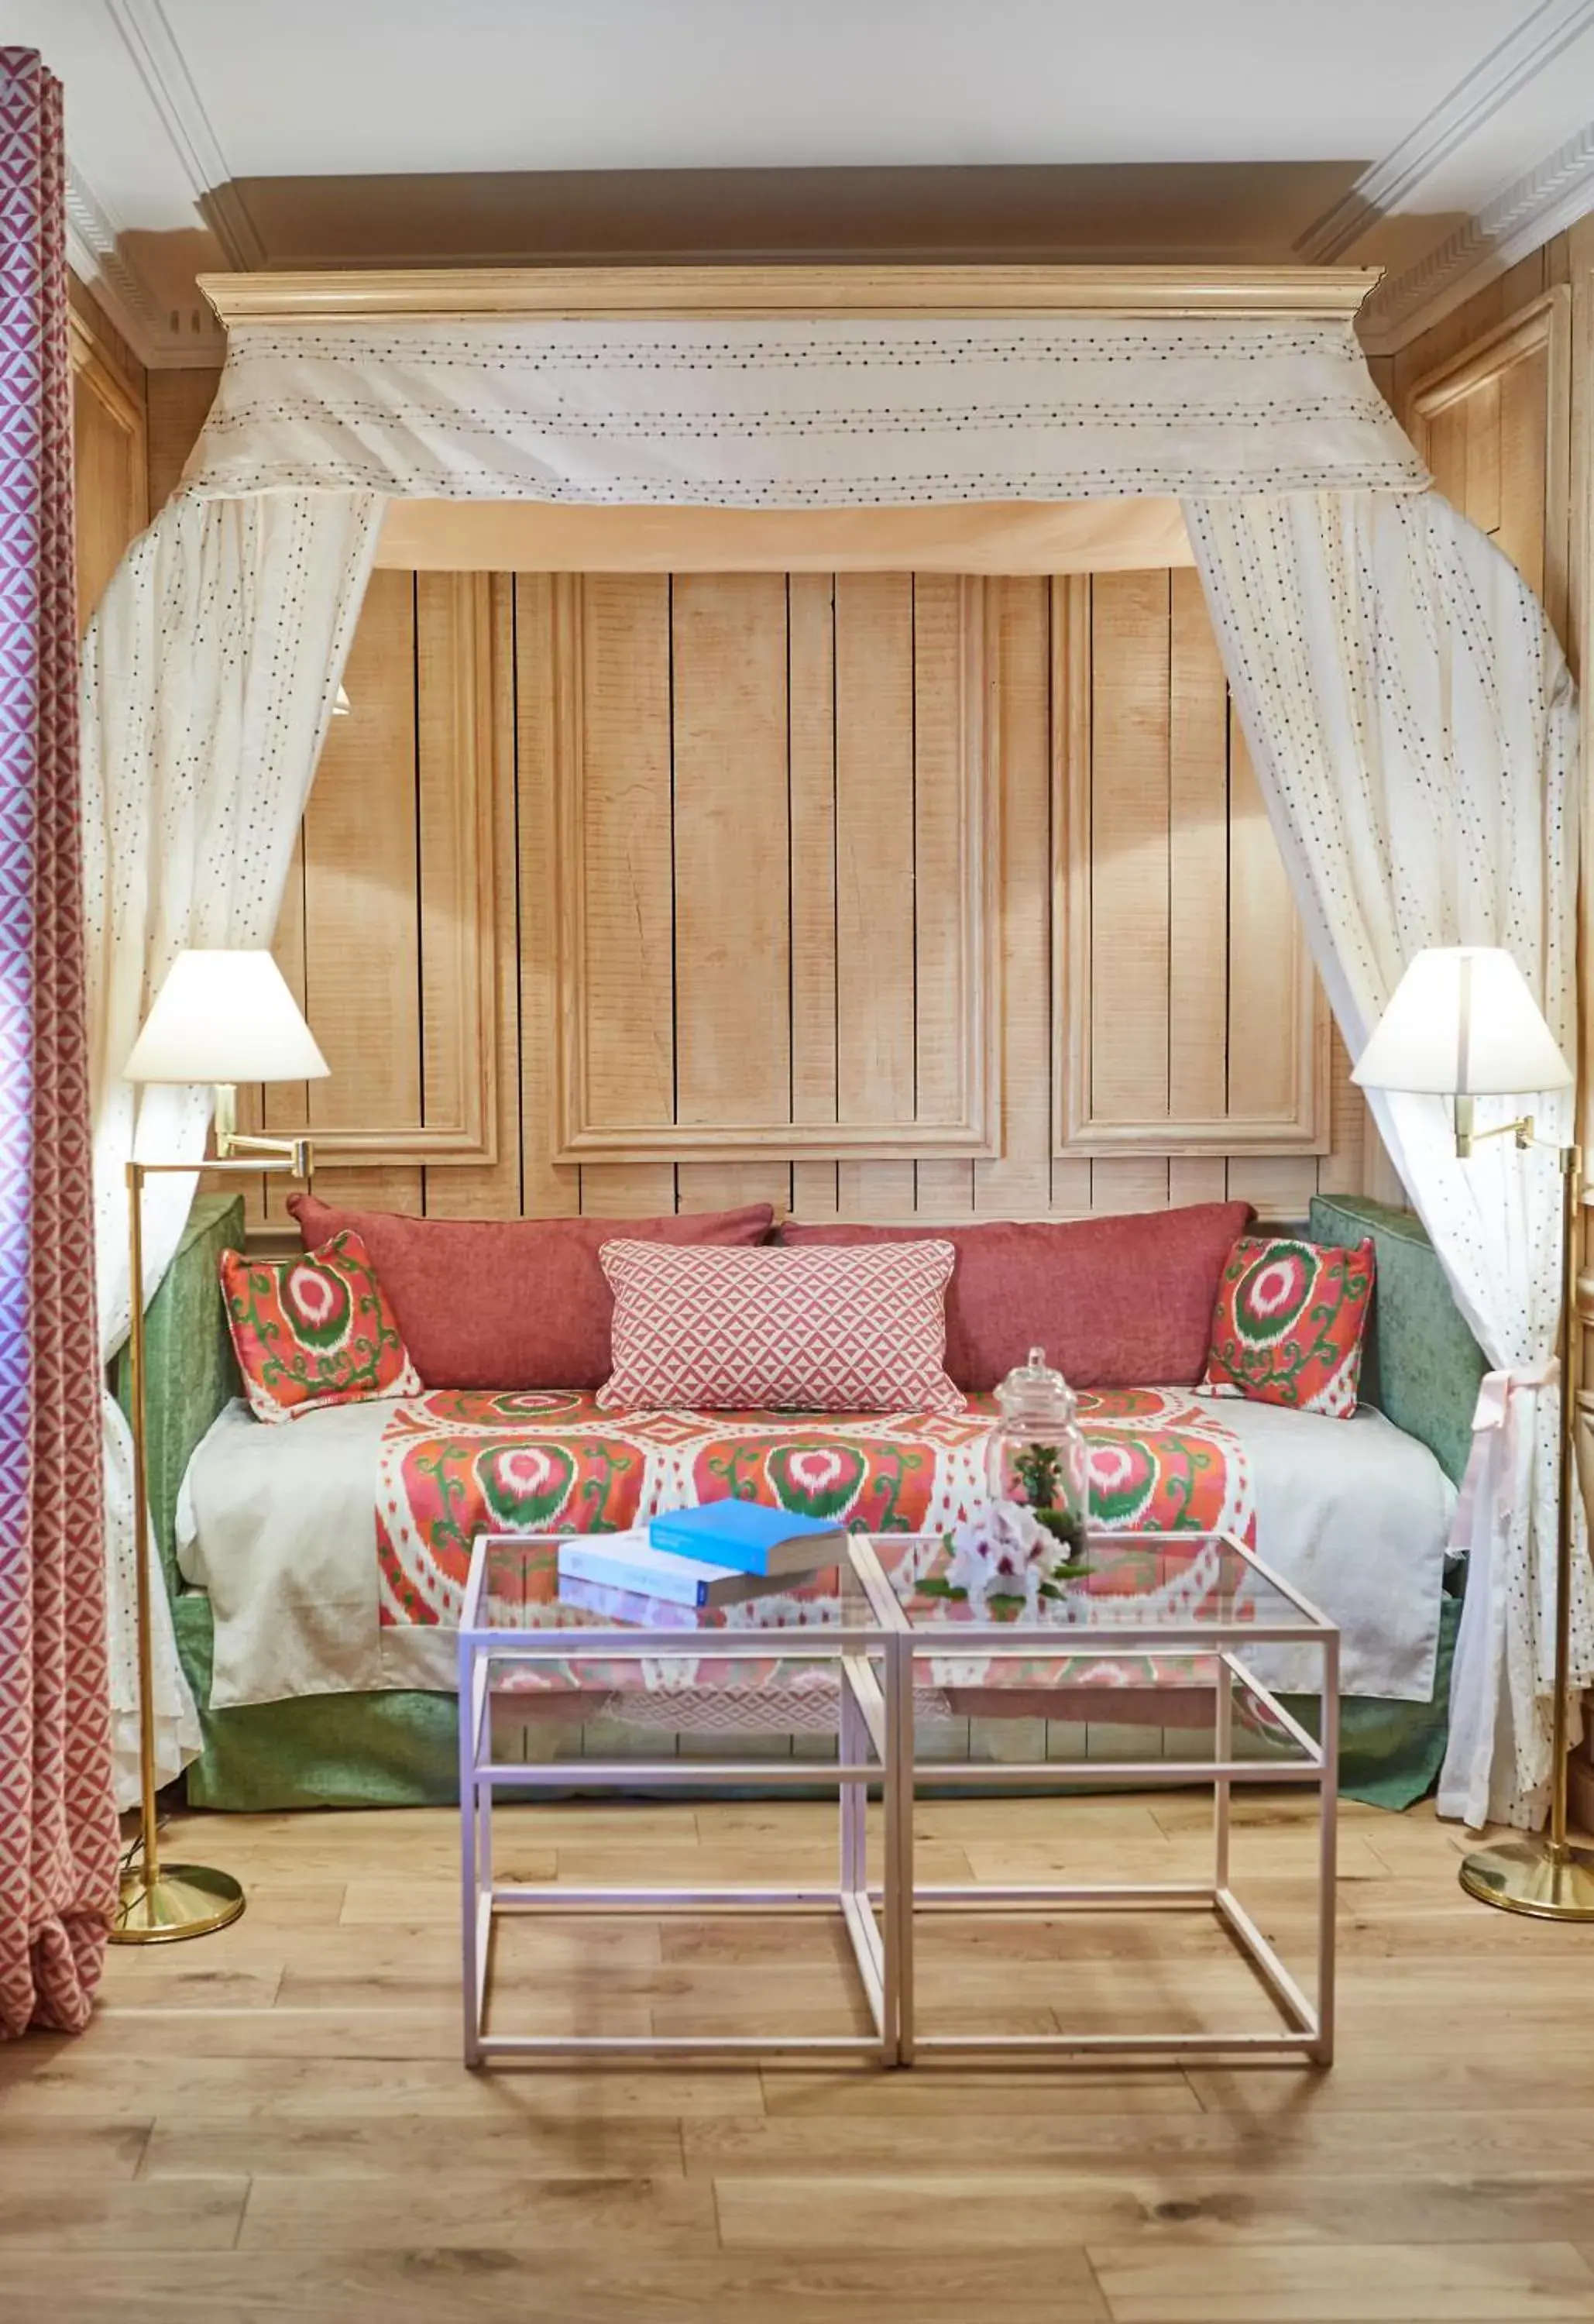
509 1303
314 1331
1117 1302
823 1331
1288 1324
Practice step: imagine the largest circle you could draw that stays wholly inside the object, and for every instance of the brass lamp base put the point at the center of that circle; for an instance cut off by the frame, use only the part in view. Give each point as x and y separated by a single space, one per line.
182 1900
1533 1876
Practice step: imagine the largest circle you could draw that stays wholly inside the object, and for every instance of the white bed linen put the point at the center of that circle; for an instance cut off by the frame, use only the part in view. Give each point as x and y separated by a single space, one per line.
278 1525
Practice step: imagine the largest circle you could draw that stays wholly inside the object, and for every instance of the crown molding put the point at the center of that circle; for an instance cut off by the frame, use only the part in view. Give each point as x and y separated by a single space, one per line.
1524 215
1503 74
96 255
160 65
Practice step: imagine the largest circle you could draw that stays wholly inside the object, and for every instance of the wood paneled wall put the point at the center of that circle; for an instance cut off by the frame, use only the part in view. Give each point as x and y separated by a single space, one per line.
885 897
108 446
1488 397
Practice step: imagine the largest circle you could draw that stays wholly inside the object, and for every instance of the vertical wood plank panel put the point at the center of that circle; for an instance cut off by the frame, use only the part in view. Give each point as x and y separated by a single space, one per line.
733 849
875 838
1522 399
1447 453
1130 828
1481 416
179 402
487 1190
361 947
1343 1169
280 1108
1198 1178
1263 1002
943 939
626 837
1136 1183
733 857
1198 865
108 483
1018 729
811 601
1069 936
1280 1186
455 776
547 647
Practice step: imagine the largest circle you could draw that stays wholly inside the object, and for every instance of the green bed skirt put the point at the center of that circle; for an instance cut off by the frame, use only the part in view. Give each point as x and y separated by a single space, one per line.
399 1749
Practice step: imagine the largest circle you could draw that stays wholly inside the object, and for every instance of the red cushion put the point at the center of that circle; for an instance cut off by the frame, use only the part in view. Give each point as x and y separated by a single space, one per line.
510 1303
1115 1302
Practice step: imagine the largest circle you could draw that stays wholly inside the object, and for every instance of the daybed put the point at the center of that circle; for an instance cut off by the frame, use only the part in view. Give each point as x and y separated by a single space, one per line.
312 1600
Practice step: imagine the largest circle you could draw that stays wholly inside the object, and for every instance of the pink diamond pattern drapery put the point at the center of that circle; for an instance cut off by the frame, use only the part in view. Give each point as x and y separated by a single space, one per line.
58 1831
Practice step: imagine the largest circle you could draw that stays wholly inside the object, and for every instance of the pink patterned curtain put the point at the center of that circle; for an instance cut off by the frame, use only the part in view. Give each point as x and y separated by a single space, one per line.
58 1830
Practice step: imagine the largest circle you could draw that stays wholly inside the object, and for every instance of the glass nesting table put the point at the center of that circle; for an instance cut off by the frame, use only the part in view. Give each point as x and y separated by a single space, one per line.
818 1658
1181 1617
859 1651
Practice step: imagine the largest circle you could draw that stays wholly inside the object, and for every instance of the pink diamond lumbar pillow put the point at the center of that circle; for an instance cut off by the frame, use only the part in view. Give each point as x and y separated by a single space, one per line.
721 1330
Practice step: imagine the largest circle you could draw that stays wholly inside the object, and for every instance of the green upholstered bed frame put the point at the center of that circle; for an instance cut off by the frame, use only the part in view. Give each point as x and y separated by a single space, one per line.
398 1749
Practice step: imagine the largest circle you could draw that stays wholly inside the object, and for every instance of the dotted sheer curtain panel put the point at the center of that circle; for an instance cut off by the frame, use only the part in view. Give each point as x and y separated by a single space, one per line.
209 673
1415 729
57 1831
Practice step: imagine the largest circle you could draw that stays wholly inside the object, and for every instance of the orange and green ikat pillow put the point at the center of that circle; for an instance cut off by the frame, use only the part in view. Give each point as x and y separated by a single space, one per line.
314 1331
1288 1325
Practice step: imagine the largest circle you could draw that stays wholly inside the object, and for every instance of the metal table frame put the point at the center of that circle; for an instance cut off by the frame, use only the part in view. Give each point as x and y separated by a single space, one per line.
866 1706
1306 2026
874 1663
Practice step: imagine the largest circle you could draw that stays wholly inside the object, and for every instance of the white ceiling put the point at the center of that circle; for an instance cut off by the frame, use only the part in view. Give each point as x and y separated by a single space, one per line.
1472 120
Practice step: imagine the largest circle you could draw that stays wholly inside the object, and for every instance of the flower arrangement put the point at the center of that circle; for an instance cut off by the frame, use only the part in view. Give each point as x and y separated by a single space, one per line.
1005 1560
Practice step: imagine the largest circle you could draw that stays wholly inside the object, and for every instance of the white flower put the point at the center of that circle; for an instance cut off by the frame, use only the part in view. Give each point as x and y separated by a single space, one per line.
1002 1551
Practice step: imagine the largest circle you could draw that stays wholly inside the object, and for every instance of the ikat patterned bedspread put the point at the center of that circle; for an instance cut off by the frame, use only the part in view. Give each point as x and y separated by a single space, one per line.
457 1462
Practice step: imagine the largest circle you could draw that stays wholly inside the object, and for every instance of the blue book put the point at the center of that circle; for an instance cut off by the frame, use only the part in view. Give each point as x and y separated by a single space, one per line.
750 1536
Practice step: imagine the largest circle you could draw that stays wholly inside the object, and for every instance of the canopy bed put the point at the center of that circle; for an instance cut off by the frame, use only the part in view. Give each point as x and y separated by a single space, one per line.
1411 720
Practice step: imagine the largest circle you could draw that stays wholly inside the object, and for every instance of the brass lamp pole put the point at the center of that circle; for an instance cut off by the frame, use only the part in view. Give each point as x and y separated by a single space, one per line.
222 1017
1462 1023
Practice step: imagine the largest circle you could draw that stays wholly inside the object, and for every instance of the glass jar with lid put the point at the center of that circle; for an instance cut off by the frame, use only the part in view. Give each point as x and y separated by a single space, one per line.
1039 1454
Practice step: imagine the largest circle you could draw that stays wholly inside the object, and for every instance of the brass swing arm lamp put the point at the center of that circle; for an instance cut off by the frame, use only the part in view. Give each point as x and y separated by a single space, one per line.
1462 1024
223 1018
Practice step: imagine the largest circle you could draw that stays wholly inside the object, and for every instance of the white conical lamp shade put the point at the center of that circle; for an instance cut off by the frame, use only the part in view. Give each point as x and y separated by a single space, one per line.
1462 1023
224 1017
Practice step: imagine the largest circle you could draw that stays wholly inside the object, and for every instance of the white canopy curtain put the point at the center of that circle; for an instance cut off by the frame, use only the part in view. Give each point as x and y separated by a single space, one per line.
210 672
1416 729
789 413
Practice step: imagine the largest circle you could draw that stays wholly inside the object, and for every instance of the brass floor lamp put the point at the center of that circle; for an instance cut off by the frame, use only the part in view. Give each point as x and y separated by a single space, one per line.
1462 1024
224 1018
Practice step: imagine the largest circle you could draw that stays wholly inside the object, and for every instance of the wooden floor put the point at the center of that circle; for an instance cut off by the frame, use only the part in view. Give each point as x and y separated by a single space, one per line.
274 2123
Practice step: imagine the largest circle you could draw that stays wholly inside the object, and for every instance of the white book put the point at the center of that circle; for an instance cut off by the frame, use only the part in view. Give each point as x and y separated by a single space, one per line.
626 1561
625 1606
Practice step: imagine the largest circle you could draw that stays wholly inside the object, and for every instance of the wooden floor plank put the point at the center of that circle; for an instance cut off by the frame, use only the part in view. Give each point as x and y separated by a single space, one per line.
488 2284
1482 2282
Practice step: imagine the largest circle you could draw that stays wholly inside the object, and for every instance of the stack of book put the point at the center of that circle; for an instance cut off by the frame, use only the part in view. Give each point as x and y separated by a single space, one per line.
663 1575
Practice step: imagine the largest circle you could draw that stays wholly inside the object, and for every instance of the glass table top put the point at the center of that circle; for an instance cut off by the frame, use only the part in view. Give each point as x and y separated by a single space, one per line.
1133 1582
1144 1582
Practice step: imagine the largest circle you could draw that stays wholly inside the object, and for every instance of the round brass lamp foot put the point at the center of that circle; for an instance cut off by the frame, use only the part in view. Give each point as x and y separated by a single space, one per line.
1533 1876
182 1900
